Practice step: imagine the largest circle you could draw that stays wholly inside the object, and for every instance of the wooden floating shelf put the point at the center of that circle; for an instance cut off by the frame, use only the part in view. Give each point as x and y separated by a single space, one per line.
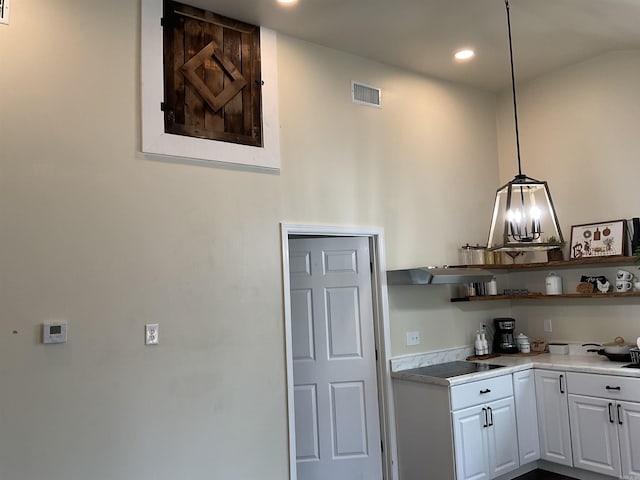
542 296
611 260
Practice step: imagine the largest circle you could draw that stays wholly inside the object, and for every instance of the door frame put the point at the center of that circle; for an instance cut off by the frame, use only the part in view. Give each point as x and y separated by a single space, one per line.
381 329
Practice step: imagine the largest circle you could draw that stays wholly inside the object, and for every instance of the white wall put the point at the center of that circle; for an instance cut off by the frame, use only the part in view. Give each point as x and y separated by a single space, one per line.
98 235
415 167
580 131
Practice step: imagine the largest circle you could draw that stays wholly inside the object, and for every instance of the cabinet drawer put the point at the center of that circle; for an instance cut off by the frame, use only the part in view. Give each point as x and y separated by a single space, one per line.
481 391
605 386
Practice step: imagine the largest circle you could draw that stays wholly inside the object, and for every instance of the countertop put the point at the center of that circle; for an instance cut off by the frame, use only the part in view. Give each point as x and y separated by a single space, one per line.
567 363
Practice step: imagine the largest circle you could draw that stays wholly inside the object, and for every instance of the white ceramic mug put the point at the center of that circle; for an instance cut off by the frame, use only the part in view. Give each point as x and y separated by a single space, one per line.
624 275
623 286
636 287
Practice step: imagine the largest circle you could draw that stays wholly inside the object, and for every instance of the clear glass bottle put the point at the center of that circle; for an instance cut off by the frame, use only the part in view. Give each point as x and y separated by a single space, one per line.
466 254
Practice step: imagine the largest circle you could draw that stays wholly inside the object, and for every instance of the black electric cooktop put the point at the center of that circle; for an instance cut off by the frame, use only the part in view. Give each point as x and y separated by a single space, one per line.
453 369
632 365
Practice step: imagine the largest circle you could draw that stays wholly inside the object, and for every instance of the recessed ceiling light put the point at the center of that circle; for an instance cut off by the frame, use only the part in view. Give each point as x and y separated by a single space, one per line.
463 55
287 2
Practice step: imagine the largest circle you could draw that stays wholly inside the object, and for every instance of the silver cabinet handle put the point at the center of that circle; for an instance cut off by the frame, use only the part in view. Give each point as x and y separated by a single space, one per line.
490 413
486 420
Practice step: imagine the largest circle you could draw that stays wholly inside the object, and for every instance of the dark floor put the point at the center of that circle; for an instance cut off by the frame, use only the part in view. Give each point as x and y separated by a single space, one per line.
542 475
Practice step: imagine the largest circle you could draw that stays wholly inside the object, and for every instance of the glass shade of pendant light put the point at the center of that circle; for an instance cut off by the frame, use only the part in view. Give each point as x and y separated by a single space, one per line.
524 217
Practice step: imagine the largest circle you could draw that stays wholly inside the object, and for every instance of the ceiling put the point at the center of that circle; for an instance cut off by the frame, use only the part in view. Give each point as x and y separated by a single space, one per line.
422 35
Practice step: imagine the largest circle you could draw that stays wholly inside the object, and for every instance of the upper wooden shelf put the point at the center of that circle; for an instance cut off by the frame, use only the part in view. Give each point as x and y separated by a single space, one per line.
542 296
611 260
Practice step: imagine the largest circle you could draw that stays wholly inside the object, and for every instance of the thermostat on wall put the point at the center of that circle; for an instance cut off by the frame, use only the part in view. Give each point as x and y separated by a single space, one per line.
54 332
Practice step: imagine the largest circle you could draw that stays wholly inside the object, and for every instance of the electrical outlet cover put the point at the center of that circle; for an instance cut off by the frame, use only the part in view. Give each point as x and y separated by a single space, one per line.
151 333
413 338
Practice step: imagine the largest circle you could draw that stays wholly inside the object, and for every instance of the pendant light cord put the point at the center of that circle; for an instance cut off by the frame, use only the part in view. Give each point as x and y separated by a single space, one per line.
513 89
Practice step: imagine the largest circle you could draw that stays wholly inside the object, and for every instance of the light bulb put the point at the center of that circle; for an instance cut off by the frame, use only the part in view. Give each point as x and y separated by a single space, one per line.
535 213
462 55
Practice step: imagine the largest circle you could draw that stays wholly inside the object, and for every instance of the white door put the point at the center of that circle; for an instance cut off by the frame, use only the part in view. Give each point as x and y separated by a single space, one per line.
628 418
334 360
502 437
553 417
524 393
594 434
471 443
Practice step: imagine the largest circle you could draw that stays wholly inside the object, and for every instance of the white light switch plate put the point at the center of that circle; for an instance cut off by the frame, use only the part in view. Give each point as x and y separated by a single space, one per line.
548 327
151 333
4 11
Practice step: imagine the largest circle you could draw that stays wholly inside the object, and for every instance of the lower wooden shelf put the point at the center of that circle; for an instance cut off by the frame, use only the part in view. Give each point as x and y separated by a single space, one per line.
543 296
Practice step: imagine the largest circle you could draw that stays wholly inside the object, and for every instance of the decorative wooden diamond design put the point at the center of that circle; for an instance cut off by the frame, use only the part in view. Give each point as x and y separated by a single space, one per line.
232 88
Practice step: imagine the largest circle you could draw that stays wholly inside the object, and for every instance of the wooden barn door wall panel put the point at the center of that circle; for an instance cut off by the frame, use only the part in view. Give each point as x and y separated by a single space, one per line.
212 76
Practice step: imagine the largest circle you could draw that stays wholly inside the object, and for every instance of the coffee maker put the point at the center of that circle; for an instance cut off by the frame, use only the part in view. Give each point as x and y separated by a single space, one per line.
503 340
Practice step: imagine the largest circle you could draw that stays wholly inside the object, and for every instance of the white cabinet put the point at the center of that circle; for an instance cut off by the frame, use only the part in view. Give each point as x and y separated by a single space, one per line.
629 436
524 394
485 438
471 444
594 435
466 432
553 417
605 429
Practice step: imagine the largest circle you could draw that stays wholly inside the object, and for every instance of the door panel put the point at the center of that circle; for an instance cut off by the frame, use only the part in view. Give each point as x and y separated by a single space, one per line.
503 440
343 322
302 315
594 435
524 392
553 417
471 444
306 409
348 419
334 351
629 433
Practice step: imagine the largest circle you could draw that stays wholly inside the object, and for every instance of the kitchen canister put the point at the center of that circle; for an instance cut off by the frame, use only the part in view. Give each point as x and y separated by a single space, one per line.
553 284
492 287
522 341
477 255
466 255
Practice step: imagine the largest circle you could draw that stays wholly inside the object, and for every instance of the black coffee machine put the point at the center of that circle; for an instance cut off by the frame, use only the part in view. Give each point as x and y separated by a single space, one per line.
503 340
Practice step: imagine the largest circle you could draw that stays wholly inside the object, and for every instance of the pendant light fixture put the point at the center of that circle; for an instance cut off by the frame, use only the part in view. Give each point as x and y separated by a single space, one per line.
523 215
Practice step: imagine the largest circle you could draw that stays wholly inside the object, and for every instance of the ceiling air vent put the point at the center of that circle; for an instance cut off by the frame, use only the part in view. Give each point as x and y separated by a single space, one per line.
366 95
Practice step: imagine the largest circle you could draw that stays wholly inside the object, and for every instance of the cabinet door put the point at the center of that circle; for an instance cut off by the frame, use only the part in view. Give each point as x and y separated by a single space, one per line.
471 446
524 392
628 417
594 434
553 417
502 437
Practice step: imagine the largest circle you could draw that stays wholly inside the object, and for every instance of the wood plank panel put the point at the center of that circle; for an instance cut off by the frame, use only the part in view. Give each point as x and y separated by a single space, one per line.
247 96
193 103
214 78
232 49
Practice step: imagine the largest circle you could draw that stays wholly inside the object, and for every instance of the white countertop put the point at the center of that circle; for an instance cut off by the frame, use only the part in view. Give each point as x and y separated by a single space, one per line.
568 363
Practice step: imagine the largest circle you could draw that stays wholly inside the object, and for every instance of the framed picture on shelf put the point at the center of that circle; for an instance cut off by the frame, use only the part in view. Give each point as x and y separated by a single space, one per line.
598 239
